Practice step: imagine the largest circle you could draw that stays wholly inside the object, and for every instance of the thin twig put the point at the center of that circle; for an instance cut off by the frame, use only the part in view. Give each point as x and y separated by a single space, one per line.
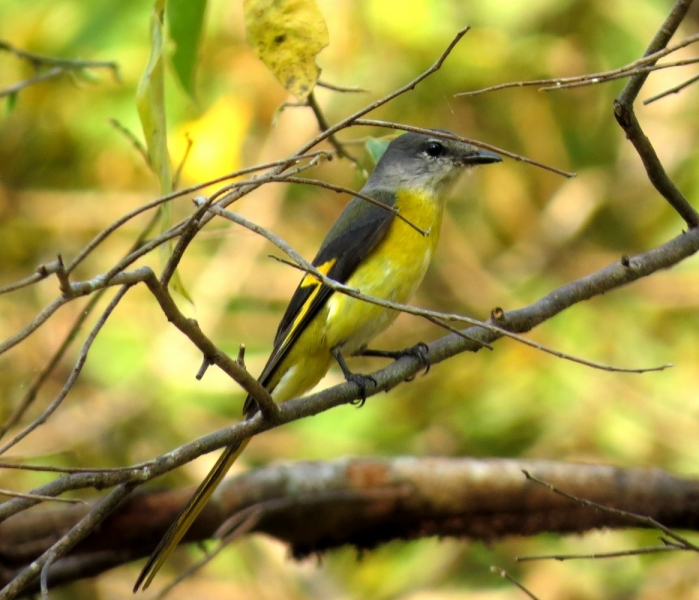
672 90
205 364
110 276
345 190
52 469
625 116
641 519
655 171
43 376
100 237
223 197
131 136
596 555
561 82
348 121
183 162
59 66
41 59
25 83
82 357
659 43
63 278
323 125
190 328
189 231
587 80
505 575
39 497
340 88
241 355
36 322
77 533
34 388
458 138
42 272
443 325
247 524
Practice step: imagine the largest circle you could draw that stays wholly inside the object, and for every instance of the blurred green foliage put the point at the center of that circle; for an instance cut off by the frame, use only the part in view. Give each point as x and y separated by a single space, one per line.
512 234
186 23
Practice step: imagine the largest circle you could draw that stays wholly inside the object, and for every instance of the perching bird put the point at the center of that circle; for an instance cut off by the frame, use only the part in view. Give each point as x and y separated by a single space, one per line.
368 248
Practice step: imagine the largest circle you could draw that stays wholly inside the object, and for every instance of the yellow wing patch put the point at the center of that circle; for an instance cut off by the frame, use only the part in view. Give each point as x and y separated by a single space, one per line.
308 281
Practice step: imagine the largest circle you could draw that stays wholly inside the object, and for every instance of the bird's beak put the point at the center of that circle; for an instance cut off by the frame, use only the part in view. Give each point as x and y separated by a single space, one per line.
482 157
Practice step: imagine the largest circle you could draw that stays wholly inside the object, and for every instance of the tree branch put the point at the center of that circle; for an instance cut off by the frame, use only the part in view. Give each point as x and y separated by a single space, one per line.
317 506
625 116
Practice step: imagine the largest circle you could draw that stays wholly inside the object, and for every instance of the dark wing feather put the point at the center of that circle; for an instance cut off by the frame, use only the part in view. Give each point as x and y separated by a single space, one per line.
357 231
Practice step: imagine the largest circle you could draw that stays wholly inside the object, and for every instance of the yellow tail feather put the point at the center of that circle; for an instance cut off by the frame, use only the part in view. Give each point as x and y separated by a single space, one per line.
188 515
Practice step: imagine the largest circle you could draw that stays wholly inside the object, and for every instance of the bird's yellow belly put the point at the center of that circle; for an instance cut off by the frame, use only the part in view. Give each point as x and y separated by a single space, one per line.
393 271
352 323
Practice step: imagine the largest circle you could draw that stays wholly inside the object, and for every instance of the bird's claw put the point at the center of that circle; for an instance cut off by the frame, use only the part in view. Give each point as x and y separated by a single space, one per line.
421 352
362 382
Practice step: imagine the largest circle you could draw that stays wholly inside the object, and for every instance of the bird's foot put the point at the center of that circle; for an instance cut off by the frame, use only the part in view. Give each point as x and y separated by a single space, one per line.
422 353
419 351
362 382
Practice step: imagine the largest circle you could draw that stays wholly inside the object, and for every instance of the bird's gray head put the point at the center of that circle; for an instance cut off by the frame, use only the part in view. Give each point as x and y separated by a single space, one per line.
424 163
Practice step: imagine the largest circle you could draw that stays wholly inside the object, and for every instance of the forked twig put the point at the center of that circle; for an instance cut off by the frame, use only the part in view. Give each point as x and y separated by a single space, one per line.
640 519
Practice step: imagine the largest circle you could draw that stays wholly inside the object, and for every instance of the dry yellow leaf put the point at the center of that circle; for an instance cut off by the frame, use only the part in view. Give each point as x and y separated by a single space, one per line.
287 35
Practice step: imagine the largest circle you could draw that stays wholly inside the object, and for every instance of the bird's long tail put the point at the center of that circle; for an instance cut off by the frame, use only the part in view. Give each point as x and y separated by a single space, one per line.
189 514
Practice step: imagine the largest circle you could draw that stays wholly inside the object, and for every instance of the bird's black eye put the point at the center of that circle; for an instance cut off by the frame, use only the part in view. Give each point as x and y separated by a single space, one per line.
434 149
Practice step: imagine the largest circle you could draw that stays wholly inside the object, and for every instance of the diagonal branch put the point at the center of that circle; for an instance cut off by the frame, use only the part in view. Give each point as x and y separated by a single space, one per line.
77 533
659 41
625 116
82 357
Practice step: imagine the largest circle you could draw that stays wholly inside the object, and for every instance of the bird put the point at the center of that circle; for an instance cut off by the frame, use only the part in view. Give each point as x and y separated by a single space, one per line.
383 249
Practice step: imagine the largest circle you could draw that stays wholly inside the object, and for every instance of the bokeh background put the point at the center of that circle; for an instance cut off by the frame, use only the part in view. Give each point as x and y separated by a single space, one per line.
511 234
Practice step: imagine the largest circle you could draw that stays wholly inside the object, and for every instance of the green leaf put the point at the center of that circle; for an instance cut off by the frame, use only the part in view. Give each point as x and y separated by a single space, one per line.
150 102
11 102
186 23
176 284
287 35
376 147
